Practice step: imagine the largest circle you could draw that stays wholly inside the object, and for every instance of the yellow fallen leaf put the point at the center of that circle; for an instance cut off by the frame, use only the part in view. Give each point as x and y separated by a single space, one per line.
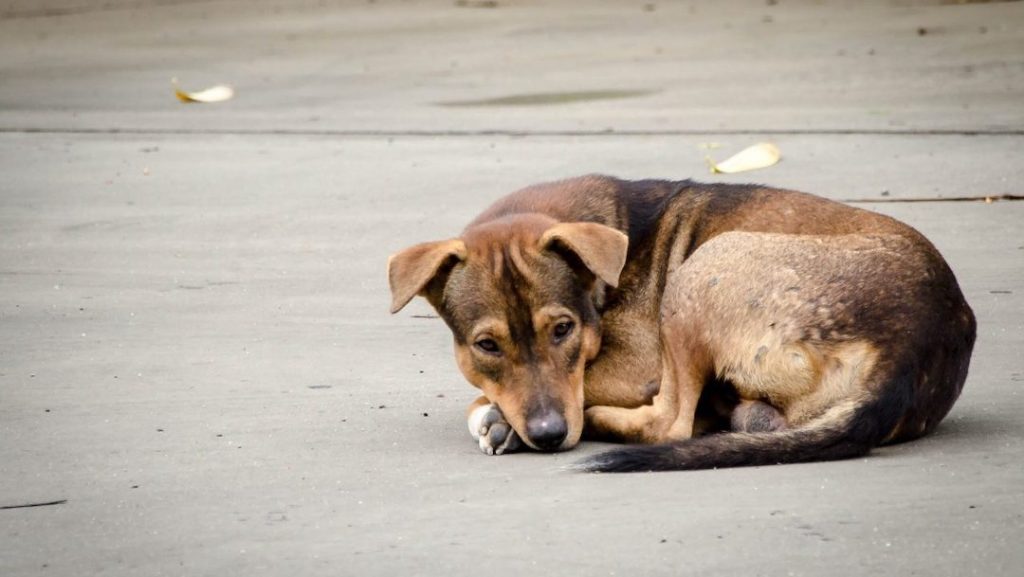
218 93
758 156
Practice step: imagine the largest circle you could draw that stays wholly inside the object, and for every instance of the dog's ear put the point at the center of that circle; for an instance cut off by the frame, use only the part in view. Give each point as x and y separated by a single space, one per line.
411 270
601 248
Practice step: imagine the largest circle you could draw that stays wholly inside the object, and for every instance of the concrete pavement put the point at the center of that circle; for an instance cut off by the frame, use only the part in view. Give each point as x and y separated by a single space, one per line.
194 347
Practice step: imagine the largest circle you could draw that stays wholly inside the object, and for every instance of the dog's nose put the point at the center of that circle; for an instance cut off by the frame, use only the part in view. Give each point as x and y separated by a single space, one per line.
547 430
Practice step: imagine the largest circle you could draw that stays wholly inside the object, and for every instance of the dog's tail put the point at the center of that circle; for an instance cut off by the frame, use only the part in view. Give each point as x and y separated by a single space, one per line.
847 430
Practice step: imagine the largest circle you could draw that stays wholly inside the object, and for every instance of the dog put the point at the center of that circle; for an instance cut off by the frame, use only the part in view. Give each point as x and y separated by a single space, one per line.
710 325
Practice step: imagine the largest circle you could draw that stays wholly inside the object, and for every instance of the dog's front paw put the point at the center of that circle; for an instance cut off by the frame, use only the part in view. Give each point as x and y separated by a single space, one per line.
489 427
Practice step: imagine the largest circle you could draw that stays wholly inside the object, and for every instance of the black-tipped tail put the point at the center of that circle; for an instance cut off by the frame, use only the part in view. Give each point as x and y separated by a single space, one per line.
728 450
841 434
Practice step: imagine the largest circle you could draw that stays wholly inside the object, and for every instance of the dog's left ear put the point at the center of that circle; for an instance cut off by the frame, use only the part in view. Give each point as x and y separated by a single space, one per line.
601 248
411 270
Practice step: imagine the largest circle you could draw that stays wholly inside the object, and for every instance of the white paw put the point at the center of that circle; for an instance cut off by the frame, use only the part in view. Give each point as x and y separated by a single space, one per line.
489 427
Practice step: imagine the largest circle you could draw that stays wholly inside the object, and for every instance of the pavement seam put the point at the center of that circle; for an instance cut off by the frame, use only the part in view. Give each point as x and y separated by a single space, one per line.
56 11
510 133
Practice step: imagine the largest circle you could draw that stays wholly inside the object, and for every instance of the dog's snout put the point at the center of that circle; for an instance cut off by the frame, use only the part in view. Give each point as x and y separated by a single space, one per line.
547 430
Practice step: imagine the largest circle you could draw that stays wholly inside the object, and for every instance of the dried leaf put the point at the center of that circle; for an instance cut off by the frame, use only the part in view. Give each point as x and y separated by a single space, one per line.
752 158
218 93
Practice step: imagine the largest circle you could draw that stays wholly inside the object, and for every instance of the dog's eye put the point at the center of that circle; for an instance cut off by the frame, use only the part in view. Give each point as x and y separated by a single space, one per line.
488 346
563 329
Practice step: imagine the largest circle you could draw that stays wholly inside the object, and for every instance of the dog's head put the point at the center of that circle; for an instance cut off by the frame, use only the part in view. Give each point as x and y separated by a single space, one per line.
520 295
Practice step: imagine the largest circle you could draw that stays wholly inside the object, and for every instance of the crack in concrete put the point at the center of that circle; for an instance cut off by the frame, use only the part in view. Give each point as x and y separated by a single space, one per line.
985 199
28 505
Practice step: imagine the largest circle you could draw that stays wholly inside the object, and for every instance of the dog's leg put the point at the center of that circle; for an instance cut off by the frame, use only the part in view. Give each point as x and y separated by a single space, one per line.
490 429
639 425
671 415
685 367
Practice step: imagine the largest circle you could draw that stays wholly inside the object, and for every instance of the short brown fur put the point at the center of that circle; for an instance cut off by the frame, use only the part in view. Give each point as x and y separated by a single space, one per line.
831 329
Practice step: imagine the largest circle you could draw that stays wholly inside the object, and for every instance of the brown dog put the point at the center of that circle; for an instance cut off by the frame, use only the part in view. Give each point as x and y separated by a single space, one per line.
656 311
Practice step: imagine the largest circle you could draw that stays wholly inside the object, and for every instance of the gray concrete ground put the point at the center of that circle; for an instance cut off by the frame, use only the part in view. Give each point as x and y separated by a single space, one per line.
195 356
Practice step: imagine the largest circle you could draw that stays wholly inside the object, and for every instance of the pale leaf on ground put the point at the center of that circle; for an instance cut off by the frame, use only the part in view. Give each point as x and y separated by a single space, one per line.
754 157
218 93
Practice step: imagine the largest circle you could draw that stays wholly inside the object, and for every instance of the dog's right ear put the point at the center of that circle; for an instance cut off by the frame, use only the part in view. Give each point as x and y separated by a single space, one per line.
411 270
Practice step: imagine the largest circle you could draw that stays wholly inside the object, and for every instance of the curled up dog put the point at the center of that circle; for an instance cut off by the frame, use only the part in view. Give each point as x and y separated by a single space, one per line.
707 325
